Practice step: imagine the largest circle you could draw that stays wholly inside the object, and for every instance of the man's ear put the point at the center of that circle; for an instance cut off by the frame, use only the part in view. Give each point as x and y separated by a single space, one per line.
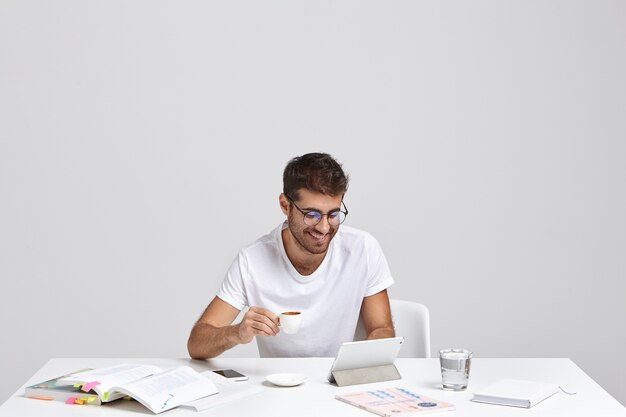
284 203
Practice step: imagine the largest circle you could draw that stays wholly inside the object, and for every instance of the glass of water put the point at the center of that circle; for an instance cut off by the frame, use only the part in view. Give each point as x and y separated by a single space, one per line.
455 367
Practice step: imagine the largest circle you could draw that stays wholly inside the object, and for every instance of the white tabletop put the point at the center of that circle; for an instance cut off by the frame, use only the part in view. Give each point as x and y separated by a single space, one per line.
316 396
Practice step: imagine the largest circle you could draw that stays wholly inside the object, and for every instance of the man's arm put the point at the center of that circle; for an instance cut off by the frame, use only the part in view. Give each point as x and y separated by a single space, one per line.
376 315
212 334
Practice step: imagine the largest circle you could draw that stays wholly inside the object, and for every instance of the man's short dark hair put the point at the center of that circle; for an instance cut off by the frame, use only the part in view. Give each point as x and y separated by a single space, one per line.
317 172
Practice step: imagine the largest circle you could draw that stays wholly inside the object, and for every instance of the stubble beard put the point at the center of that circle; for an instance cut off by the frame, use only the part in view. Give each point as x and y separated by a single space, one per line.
302 237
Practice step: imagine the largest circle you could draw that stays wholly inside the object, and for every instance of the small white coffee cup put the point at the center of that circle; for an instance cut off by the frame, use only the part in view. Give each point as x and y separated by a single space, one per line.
290 321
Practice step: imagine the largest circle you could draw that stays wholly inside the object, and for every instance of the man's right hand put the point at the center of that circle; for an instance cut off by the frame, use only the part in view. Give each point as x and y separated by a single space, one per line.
257 322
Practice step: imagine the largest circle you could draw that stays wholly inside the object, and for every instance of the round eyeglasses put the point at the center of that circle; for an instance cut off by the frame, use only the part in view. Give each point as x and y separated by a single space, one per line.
313 217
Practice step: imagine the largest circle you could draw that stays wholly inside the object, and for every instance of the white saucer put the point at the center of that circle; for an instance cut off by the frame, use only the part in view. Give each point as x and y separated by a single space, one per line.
286 380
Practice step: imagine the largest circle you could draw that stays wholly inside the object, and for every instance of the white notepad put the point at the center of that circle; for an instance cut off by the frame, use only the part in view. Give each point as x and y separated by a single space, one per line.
516 393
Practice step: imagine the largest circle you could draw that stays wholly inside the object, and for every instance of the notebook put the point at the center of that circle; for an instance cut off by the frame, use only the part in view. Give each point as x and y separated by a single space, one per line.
396 402
516 393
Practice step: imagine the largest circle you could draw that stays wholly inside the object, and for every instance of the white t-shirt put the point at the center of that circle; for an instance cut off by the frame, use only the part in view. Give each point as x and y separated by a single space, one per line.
329 299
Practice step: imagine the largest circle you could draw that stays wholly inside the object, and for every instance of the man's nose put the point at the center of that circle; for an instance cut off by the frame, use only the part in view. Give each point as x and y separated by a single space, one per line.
324 225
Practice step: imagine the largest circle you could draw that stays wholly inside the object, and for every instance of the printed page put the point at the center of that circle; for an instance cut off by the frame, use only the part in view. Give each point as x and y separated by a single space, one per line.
229 391
101 380
168 389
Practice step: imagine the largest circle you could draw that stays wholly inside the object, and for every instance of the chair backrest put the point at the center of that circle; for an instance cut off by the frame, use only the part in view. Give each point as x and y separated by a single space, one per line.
412 321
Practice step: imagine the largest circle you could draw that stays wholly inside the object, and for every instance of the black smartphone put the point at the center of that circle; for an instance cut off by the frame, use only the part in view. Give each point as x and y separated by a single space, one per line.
231 374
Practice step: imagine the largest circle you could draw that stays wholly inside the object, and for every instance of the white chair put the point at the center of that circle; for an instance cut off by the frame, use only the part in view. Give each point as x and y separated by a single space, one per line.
412 321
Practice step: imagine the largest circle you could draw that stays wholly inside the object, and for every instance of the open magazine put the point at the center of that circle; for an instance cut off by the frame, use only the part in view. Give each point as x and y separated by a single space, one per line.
153 387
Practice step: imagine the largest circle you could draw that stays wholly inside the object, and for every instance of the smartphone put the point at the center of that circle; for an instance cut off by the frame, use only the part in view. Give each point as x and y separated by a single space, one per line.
231 374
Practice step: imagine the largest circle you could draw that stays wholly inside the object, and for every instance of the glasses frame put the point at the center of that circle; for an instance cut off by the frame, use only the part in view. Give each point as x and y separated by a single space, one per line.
305 212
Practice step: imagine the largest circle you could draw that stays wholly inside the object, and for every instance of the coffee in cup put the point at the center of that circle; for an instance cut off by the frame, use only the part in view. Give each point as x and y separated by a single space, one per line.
290 321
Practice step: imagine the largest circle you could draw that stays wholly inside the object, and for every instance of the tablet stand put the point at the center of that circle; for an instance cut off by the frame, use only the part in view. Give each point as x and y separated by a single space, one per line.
366 375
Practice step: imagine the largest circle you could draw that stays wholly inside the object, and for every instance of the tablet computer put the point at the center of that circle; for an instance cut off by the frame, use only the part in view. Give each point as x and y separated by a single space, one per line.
365 354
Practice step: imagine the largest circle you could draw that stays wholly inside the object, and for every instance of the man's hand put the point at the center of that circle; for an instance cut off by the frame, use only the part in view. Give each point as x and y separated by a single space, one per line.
257 322
213 333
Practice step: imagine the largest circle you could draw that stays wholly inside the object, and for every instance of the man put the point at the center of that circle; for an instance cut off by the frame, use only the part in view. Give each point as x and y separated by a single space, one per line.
308 264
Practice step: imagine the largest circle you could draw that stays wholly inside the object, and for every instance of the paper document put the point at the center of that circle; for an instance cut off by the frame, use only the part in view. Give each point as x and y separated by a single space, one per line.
228 391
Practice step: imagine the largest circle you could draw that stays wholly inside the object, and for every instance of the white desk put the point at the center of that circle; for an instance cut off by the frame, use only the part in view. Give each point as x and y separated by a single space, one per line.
316 396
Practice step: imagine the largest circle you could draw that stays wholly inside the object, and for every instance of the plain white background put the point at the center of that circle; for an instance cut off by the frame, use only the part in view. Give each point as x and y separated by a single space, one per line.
142 143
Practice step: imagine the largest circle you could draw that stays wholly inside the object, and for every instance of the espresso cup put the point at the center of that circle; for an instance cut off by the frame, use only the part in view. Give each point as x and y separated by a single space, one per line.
290 321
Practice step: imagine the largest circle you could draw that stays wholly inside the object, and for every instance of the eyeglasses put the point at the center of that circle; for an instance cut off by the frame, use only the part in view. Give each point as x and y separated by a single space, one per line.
313 217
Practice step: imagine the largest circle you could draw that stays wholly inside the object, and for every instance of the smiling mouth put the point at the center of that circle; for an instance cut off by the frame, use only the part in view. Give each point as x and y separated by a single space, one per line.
318 236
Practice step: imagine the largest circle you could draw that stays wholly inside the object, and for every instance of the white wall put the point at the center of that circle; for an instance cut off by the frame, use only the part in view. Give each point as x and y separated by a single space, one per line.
142 143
